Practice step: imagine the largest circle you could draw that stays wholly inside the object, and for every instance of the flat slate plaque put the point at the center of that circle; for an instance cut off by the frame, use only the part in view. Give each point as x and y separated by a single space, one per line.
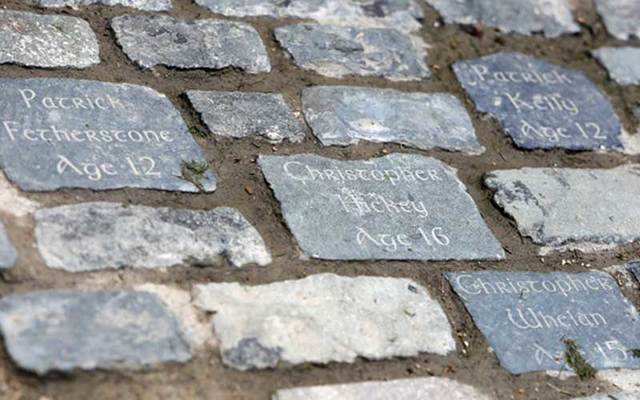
342 115
62 133
527 316
541 105
398 207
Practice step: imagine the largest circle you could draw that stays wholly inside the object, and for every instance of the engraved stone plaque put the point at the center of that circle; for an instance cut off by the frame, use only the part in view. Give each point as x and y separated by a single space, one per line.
59 133
527 316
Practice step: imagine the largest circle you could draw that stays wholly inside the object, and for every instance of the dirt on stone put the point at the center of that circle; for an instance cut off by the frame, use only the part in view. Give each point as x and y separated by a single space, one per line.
241 185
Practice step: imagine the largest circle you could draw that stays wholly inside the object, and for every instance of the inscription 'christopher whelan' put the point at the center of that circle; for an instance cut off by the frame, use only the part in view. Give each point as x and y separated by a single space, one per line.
395 207
57 133
540 105
537 311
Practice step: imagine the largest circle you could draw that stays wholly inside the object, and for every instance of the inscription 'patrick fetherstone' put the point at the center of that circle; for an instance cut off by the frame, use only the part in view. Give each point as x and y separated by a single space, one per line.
58 133
526 317
541 105
399 207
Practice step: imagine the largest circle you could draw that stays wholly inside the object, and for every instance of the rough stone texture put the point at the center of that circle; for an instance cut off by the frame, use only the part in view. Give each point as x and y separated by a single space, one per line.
336 51
555 108
63 330
399 207
634 267
242 114
612 396
59 133
527 316
92 236
401 389
399 14
622 63
13 201
8 254
568 207
47 41
551 17
324 318
202 43
621 17
343 115
146 5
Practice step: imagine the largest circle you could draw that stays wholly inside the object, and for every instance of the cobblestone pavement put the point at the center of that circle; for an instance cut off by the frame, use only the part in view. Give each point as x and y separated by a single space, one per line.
319 199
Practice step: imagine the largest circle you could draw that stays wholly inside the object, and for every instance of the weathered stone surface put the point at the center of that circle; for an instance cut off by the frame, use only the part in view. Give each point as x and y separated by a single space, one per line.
527 316
202 43
622 63
540 105
399 207
336 51
399 14
64 330
634 267
343 115
242 114
92 236
401 389
324 318
59 133
146 5
571 207
47 41
613 396
621 17
551 17
8 254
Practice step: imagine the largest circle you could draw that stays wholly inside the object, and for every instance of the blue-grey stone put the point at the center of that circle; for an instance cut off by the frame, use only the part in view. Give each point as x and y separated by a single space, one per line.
47 41
399 14
541 105
63 133
526 317
91 236
622 63
634 267
398 207
8 254
343 115
551 17
65 330
202 43
336 51
568 207
612 396
145 5
621 17
242 114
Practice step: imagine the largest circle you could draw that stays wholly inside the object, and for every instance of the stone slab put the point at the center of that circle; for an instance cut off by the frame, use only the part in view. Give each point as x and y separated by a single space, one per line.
634 268
550 17
202 43
8 253
47 41
324 318
399 14
145 5
92 236
336 51
622 63
541 105
571 207
527 316
343 115
398 207
63 133
400 389
612 396
65 330
243 114
621 17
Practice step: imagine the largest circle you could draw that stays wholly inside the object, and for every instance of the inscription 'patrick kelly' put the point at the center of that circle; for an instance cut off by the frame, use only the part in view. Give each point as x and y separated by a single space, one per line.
538 311
395 207
58 133
540 105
